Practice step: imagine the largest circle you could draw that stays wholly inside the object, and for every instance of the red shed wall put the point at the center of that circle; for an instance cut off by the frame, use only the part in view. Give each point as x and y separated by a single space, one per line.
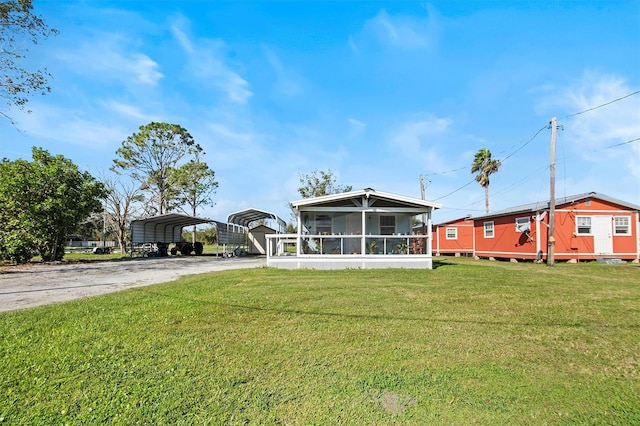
462 244
508 243
572 245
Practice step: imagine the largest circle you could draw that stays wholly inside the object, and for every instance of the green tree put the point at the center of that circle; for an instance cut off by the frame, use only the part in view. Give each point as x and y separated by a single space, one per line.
485 166
19 26
320 182
151 156
43 201
195 185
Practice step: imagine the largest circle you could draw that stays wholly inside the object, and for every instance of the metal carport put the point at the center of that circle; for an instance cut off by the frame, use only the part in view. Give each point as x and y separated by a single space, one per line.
245 217
166 228
256 238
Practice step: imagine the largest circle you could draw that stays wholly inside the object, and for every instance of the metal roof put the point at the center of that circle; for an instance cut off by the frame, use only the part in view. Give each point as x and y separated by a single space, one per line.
367 192
544 205
245 217
166 228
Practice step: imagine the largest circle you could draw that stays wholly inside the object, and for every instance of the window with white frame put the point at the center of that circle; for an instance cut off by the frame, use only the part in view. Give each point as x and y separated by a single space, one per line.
387 225
621 225
488 229
583 225
323 224
522 224
452 233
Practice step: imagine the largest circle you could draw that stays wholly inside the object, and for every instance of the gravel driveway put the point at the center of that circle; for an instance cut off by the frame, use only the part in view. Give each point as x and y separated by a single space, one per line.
33 285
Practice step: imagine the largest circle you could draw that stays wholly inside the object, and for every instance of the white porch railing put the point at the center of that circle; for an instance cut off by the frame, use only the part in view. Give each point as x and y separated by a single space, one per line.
346 245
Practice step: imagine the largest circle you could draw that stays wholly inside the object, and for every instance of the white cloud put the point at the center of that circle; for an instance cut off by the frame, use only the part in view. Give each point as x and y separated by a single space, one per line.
144 68
419 138
205 63
287 82
105 58
402 31
180 35
356 123
62 127
131 112
593 133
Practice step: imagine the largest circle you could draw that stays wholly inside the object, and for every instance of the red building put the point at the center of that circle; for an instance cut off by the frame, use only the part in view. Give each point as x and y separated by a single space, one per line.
453 237
587 227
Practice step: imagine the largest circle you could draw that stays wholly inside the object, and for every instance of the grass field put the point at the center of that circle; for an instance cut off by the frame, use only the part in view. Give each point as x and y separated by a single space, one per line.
470 342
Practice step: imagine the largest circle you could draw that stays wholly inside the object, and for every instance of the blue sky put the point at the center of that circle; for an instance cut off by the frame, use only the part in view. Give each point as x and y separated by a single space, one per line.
378 92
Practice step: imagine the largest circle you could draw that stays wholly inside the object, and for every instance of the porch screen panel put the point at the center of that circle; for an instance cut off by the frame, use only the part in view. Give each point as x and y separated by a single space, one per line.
323 224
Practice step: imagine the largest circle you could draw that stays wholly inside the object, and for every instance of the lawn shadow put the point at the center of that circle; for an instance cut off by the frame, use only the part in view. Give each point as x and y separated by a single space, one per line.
385 317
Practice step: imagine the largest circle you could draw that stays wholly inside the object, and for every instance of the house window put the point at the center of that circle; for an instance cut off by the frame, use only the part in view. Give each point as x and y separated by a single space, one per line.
452 233
621 225
323 224
583 225
488 229
387 225
522 224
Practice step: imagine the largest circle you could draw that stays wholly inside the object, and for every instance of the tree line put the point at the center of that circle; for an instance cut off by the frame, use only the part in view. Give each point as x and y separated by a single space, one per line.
157 170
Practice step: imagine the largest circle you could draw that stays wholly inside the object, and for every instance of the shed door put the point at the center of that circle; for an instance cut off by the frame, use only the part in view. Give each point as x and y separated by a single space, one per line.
602 238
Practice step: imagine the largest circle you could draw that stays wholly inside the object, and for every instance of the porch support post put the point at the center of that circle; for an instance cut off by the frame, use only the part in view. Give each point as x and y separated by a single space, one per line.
363 244
429 234
299 229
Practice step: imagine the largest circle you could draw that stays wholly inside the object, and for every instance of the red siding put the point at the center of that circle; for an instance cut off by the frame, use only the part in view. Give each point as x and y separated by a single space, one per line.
461 245
507 242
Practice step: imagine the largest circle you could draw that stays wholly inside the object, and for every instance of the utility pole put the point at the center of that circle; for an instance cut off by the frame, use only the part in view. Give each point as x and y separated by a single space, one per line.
552 196
424 216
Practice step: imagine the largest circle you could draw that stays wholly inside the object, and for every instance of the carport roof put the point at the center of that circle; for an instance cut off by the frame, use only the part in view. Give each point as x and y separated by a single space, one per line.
245 217
172 219
166 228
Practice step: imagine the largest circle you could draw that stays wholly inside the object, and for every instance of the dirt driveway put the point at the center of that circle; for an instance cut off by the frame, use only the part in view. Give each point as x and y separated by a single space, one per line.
34 285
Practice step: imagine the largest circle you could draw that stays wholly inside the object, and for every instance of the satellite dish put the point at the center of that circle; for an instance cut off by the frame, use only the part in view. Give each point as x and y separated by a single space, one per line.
523 227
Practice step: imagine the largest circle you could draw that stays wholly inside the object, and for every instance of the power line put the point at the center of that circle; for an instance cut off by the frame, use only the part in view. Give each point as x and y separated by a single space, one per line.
445 172
455 190
526 143
529 141
623 143
605 104
508 156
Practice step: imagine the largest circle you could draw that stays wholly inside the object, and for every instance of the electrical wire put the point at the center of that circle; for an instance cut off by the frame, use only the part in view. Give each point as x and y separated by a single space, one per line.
623 143
455 190
605 104
525 144
529 141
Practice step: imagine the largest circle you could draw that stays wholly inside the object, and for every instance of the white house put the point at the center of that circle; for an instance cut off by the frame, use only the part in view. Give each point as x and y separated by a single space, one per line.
357 229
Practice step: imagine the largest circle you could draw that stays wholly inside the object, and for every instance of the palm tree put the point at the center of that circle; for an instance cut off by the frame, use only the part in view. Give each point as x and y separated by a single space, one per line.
484 166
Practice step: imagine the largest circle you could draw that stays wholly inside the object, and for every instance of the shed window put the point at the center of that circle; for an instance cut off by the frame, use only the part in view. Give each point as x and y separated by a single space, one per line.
452 233
488 229
387 225
583 225
323 224
621 225
522 224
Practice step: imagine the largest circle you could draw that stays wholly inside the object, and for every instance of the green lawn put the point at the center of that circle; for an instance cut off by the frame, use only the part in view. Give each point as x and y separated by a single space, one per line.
470 342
